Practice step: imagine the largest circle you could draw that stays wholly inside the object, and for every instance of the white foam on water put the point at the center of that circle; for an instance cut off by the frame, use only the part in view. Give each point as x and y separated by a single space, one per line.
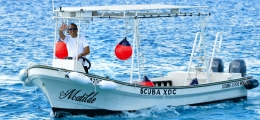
28 35
5 79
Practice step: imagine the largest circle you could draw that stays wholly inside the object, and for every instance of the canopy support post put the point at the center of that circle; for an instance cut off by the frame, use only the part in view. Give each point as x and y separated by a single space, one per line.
135 40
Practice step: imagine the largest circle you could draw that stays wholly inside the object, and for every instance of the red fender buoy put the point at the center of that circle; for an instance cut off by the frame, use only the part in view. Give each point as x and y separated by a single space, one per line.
61 50
123 50
147 82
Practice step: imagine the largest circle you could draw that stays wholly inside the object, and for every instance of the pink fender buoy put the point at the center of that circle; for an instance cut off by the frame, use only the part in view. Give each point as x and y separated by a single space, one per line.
147 82
61 50
123 50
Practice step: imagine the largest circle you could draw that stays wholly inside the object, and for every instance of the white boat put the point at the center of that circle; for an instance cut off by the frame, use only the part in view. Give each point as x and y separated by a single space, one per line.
69 89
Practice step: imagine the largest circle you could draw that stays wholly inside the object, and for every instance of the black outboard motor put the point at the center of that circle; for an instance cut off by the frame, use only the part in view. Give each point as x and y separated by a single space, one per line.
250 84
238 66
217 65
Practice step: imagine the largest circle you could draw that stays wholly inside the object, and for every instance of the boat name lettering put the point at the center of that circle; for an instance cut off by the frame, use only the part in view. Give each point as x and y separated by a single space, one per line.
233 84
148 91
235 66
95 80
214 65
72 94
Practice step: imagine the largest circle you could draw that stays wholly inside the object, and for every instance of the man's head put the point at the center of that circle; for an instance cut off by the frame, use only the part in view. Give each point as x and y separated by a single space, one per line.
73 30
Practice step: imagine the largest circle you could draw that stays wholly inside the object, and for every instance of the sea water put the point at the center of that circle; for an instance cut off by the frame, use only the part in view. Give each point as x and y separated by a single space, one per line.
27 35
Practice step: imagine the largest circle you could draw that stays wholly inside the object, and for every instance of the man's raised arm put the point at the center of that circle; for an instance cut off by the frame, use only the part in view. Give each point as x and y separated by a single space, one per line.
62 28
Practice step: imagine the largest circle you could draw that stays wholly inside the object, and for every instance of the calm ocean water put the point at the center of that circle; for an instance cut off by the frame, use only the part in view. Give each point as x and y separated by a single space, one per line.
26 38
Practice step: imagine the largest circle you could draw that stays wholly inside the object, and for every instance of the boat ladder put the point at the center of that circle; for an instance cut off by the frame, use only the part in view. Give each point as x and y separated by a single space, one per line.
216 48
199 59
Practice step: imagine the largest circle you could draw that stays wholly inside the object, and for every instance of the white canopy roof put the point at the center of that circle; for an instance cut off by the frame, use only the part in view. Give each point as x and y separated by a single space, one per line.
127 7
128 11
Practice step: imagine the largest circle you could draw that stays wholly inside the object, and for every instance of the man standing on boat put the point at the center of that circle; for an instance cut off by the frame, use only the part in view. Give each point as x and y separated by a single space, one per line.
71 42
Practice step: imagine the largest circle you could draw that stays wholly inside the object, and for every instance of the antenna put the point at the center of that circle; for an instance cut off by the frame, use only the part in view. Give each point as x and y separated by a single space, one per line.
52 5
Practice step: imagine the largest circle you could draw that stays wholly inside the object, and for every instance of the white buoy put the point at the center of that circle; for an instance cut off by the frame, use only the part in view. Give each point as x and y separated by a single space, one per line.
107 85
156 84
23 75
168 84
79 78
27 83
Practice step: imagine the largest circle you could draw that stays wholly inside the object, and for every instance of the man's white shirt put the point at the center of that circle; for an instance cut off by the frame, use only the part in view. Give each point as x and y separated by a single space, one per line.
71 44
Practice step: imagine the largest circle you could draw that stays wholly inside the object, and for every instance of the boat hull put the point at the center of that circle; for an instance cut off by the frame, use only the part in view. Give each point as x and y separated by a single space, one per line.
60 112
74 98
